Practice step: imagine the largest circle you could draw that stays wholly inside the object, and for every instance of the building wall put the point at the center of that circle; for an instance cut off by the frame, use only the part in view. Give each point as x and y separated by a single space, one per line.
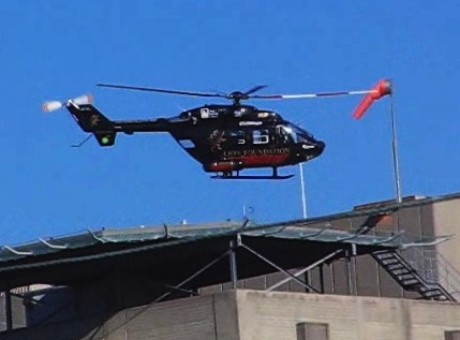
275 315
446 215
250 314
206 317
447 222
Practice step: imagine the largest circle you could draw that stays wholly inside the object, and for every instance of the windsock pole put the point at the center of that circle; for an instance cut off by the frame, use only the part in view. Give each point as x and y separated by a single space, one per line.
383 88
394 147
302 192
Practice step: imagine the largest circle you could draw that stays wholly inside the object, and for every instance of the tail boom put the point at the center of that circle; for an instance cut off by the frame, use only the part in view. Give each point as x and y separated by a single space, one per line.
91 120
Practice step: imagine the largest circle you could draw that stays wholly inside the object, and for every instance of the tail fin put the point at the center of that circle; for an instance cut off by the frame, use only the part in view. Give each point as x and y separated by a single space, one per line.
92 120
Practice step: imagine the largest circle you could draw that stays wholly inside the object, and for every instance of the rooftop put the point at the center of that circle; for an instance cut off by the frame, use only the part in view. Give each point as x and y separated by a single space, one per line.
164 251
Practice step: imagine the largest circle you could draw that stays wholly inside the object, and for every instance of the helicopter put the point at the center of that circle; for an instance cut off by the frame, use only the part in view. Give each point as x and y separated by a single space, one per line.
225 139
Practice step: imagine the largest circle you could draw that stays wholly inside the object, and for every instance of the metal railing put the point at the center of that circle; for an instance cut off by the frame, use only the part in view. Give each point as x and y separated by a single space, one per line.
434 268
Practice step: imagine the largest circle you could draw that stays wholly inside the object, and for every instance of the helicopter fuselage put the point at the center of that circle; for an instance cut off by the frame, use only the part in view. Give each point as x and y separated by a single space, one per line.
223 138
227 138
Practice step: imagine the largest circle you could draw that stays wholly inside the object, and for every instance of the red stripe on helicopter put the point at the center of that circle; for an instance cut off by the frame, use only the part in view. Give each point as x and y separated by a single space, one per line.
264 160
222 166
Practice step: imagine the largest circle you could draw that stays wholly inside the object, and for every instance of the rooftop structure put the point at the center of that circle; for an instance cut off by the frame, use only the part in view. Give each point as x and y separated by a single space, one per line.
373 250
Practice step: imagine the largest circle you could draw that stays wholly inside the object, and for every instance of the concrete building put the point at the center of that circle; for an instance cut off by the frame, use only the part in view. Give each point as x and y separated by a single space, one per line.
251 314
381 271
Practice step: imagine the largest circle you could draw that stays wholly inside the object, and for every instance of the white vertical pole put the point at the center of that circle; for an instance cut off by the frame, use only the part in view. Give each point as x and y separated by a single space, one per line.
394 144
302 192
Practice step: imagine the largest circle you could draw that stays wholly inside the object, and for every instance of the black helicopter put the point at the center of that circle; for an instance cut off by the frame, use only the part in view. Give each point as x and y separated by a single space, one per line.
225 139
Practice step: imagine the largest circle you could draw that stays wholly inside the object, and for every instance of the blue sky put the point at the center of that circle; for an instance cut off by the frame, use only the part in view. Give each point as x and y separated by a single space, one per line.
61 49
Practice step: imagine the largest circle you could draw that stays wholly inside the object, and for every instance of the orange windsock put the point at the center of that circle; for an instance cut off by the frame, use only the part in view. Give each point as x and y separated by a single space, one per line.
382 89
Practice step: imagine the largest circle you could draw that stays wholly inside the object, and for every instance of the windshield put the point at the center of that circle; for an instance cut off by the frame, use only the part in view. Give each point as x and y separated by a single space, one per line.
297 134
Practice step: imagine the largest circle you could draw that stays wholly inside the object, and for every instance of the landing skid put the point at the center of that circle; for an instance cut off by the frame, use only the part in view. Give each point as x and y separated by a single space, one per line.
230 175
278 177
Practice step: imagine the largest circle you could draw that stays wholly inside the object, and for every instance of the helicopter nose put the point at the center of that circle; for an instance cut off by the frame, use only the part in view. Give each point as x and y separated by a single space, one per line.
319 148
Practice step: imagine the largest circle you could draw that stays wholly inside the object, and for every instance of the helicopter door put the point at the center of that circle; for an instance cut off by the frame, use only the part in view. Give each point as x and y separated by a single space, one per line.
260 137
282 135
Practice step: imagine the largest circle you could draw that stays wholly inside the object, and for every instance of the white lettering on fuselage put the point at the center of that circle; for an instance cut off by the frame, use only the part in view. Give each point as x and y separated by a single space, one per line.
246 123
255 152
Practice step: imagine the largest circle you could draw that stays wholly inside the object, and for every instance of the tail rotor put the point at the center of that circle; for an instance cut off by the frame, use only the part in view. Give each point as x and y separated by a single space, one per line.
52 106
55 105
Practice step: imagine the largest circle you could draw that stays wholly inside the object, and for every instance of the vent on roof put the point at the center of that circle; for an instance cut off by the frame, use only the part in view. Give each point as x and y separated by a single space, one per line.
382 204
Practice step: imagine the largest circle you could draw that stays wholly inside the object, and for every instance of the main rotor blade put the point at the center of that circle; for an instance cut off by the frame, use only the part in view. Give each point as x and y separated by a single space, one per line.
311 95
152 89
255 89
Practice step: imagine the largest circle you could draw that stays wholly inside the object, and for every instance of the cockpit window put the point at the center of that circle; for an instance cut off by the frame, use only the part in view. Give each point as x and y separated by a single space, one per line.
297 134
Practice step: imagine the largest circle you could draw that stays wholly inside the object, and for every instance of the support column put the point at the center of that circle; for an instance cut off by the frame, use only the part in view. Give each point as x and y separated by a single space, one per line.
233 266
307 279
351 269
8 311
349 274
321 278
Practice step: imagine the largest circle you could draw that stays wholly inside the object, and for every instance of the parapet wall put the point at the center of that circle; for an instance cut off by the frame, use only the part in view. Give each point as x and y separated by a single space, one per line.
276 315
250 314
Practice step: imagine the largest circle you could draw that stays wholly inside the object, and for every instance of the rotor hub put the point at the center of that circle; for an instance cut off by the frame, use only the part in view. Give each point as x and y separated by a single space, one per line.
238 96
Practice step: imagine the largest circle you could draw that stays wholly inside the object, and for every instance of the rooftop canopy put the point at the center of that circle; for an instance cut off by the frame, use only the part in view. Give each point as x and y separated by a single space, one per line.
169 253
